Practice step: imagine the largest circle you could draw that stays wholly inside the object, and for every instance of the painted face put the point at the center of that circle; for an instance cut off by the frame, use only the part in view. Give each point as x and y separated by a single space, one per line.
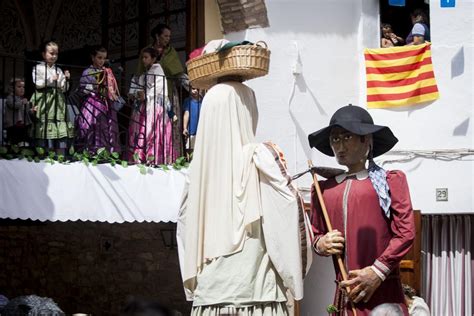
164 38
19 88
50 54
148 60
350 149
99 59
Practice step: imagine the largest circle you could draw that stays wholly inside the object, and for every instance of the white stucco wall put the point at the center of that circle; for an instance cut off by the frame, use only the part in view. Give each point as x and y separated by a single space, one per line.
326 40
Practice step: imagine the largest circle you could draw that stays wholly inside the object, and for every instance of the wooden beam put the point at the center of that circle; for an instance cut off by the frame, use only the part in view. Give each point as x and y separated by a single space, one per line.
194 25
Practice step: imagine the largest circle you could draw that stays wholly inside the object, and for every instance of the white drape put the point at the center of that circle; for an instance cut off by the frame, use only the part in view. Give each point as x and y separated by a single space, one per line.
447 264
216 207
60 192
234 182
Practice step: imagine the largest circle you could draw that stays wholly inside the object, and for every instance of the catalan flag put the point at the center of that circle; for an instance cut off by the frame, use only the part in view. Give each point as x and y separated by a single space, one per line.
399 76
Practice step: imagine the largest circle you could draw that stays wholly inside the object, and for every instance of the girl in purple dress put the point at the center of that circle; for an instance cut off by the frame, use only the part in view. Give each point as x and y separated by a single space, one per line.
150 134
97 123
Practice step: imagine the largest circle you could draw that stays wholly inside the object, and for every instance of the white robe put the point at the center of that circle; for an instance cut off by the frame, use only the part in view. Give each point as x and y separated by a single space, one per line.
235 184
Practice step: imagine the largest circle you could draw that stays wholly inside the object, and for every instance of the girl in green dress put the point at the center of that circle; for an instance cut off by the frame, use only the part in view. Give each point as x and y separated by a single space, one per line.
52 128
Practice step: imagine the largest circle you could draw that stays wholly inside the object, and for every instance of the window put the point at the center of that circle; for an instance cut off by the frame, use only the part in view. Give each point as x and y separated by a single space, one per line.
400 17
126 26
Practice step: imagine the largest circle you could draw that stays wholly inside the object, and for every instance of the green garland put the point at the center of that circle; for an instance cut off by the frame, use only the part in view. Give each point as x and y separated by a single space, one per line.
331 309
101 156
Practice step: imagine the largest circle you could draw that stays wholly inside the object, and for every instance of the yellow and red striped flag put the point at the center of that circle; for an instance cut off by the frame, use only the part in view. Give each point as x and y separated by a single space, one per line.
399 76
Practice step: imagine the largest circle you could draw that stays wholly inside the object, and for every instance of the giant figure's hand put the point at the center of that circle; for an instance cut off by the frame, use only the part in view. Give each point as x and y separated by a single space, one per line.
363 283
331 244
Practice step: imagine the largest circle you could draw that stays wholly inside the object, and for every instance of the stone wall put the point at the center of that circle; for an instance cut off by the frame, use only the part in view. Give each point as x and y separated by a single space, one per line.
91 267
238 15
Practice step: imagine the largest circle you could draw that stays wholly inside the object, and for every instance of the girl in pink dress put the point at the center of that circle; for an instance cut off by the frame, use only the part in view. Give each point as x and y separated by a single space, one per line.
150 132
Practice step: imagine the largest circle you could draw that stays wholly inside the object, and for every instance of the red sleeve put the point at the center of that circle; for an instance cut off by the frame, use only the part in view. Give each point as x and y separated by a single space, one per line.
402 223
317 219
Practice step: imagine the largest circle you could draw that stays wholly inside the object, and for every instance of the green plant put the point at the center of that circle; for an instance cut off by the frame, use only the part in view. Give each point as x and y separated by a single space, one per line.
101 156
331 309
180 163
164 167
142 168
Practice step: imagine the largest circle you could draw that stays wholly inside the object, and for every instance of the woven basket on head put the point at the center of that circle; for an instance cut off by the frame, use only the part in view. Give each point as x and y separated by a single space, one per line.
244 61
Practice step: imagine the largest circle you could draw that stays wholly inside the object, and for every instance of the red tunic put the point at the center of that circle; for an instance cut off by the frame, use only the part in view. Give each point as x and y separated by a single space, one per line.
371 238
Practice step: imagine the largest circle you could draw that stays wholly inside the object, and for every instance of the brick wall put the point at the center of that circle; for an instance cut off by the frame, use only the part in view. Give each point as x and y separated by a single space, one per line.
238 15
90 267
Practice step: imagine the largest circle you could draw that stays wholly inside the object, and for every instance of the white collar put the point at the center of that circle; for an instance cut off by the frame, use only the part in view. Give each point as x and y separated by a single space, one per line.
46 64
361 175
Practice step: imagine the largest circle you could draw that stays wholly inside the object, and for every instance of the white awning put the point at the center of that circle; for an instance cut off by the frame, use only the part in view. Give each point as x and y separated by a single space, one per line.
59 192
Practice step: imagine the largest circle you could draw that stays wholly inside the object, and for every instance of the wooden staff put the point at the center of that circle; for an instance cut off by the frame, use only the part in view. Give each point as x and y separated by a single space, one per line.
297 308
340 263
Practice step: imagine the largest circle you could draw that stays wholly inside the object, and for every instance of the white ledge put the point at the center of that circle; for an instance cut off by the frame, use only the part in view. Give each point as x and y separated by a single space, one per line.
59 192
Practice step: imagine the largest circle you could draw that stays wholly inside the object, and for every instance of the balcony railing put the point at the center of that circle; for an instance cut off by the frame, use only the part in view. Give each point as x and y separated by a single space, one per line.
84 112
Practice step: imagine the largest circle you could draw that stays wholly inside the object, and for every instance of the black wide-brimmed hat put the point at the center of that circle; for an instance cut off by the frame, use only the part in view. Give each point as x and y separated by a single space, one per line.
358 121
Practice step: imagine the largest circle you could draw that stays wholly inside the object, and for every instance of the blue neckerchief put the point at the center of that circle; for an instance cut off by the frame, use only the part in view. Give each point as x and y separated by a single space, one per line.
378 177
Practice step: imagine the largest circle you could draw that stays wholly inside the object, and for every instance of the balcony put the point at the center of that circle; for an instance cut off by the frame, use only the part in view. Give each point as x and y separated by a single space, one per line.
81 155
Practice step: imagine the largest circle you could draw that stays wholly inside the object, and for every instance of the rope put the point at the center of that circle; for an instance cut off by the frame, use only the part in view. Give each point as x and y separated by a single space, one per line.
436 154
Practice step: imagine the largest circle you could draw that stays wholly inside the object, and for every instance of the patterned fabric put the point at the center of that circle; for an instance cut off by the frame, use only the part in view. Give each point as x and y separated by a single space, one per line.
263 309
378 177
50 103
97 125
32 305
151 130
150 134
52 118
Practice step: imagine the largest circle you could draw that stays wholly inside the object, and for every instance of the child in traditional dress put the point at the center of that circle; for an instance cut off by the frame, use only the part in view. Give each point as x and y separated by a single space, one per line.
150 130
17 121
52 128
97 123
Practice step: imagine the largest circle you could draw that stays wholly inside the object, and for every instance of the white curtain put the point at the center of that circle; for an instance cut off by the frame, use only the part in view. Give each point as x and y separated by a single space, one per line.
447 281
